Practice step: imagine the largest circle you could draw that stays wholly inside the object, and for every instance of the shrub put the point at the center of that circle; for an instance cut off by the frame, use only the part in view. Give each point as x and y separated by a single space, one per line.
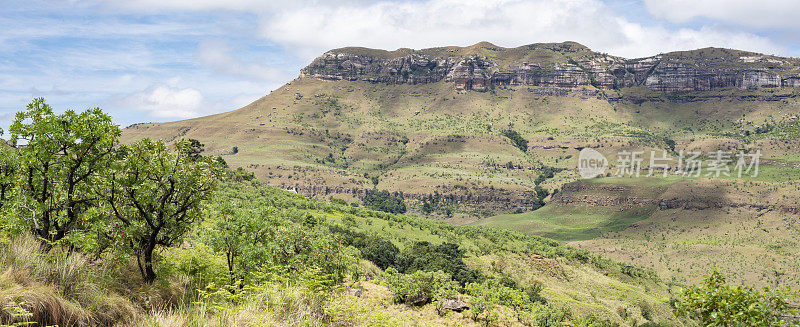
338 201
446 257
547 316
381 252
718 304
517 139
420 287
592 320
492 291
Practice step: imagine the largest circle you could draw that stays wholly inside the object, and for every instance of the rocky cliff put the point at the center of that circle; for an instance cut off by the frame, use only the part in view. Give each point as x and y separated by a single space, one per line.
483 66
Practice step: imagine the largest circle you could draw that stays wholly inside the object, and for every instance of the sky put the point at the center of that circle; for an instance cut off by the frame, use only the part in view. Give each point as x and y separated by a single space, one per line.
166 60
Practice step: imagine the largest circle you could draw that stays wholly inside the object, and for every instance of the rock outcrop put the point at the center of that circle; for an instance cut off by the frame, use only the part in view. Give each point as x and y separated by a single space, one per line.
566 65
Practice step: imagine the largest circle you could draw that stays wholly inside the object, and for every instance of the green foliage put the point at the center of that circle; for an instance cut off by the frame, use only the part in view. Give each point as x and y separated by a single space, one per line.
382 200
192 149
338 201
437 202
9 169
494 292
546 315
592 320
420 287
517 139
446 257
201 263
716 304
383 253
156 196
547 172
63 160
18 315
253 229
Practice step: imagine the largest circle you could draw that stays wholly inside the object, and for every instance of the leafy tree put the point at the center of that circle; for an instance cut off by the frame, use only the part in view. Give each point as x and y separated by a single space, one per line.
231 235
250 228
64 156
156 195
446 257
9 167
419 287
193 149
517 139
384 201
718 304
383 253
547 172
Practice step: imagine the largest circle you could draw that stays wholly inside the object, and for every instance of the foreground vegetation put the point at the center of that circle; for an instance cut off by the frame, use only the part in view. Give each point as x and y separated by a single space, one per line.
97 233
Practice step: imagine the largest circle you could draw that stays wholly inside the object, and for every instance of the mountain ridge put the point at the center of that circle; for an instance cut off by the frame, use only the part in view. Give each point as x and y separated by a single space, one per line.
483 66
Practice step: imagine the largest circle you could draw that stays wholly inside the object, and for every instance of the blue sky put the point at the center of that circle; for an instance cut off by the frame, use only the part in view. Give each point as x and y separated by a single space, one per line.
163 60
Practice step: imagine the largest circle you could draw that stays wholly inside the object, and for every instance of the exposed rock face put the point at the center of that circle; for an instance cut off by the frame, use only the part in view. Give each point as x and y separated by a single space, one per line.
409 69
560 75
566 65
471 74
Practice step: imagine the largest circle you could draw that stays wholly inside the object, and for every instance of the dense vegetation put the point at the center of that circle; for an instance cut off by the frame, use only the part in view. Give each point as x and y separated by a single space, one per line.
382 200
98 233
519 142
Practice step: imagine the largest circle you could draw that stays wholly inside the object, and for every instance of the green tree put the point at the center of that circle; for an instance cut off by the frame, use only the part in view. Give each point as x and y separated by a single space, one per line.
63 158
519 142
384 201
718 304
9 167
157 195
234 234
193 149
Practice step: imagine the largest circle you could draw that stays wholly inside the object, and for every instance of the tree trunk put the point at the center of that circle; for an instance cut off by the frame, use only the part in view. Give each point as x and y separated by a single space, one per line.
149 274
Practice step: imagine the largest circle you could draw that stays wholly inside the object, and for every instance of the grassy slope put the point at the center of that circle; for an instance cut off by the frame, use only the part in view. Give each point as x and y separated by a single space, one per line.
454 144
569 223
576 279
109 290
715 223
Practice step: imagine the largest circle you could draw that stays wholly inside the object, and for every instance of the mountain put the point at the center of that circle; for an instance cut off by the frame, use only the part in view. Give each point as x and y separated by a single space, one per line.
439 126
431 121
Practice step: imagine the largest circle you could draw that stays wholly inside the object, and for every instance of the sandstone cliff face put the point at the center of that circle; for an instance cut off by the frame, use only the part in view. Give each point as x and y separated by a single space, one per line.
471 74
566 65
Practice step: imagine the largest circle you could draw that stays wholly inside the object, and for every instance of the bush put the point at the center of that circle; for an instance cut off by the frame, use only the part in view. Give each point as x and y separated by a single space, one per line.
420 287
338 201
517 139
492 291
592 320
446 257
547 316
199 262
718 304
381 252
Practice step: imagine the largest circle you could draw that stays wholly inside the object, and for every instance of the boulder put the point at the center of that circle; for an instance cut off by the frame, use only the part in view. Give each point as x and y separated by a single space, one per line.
455 305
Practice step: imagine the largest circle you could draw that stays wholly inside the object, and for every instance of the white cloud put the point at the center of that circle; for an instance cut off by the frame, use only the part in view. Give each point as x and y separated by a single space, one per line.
164 101
261 6
155 5
420 24
218 55
310 27
759 14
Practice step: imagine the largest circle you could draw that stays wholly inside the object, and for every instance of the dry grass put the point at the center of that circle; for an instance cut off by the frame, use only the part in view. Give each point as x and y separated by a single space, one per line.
59 288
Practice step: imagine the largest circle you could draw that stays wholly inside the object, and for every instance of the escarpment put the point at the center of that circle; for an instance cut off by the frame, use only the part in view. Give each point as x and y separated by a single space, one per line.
569 65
